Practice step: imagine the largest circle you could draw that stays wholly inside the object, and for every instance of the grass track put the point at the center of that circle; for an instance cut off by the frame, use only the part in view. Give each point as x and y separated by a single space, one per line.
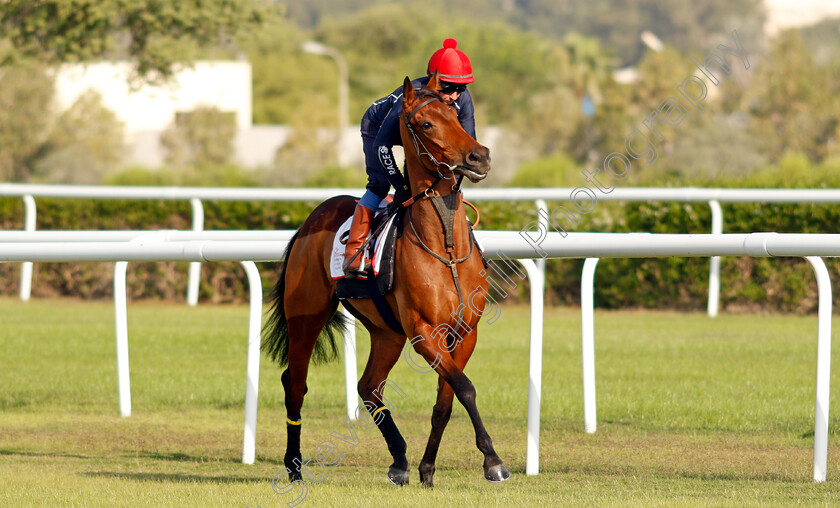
691 412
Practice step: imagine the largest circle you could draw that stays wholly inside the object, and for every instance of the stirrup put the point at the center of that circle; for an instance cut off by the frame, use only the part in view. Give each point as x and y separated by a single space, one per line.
361 271
352 273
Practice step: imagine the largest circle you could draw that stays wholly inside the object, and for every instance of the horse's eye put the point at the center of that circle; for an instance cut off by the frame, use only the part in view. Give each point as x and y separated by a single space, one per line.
426 126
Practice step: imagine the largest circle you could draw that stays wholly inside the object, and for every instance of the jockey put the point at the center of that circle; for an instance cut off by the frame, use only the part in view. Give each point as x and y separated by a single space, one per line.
381 131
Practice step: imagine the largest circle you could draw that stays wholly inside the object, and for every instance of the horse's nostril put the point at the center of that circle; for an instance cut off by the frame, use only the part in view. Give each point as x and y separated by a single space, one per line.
474 157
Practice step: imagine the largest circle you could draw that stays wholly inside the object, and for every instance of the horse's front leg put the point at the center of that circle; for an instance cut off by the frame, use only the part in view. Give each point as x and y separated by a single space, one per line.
443 409
440 417
448 369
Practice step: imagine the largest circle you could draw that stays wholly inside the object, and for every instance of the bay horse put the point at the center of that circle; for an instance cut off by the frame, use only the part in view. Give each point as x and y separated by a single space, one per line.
430 279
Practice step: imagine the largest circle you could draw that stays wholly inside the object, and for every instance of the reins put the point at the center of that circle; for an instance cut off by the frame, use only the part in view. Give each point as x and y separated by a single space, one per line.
477 213
452 263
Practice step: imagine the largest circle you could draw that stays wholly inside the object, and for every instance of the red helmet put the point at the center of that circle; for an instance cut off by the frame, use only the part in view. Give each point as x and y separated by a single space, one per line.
452 64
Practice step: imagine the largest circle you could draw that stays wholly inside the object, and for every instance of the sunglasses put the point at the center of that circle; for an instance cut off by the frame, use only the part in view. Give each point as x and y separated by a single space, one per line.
448 88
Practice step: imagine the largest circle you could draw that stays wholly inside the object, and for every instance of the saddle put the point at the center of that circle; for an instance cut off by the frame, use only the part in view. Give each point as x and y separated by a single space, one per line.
385 229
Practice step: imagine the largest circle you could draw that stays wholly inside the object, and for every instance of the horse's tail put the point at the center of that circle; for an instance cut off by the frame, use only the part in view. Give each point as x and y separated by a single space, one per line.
275 333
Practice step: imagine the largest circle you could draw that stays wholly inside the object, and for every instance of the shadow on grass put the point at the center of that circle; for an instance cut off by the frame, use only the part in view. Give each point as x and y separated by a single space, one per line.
180 457
44 454
175 457
628 471
183 457
174 478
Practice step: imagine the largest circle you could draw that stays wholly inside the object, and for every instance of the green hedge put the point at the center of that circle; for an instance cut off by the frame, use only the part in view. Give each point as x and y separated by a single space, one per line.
775 284
784 284
220 282
771 284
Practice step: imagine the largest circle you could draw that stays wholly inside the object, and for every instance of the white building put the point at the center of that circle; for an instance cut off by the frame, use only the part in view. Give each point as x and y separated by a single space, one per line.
147 110
782 14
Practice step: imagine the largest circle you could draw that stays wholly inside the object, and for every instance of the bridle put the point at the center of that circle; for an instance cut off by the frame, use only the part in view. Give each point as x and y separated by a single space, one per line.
418 144
445 213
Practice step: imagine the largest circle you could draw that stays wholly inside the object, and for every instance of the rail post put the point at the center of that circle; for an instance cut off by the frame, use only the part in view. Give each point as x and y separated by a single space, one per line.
252 377
714 261
537 283
350 369
121 322
194 274
587 315
823 368
29 223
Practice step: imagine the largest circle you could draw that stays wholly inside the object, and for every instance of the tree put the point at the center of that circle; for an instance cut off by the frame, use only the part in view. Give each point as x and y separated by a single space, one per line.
589 65
822 39
156 34
793 101
689 26
26 94
713 149
85 144
382 45
284 78
200 138
588 74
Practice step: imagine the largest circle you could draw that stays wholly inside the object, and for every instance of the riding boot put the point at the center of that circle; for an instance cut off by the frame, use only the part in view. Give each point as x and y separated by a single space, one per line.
359 229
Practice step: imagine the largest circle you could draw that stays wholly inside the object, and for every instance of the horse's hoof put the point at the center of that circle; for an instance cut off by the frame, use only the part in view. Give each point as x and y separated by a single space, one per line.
426 481
496 474
295 476
426 474
398 477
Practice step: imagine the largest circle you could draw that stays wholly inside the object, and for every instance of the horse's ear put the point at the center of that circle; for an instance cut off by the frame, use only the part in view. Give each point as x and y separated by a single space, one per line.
434 82
408 91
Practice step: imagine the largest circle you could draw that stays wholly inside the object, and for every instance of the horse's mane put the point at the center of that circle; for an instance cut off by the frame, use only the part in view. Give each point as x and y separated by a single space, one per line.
426 93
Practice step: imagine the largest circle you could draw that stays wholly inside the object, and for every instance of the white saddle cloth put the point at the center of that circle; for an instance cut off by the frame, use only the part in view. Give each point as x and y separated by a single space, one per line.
339 248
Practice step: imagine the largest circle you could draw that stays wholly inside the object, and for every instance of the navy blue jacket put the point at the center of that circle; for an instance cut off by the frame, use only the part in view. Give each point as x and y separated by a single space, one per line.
381 131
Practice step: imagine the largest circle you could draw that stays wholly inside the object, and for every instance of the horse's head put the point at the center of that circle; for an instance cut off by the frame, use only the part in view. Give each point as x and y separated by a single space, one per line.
432 134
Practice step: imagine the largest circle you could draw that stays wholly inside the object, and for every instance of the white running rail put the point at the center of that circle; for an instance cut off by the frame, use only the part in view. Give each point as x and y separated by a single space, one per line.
195 195
622 245
497 244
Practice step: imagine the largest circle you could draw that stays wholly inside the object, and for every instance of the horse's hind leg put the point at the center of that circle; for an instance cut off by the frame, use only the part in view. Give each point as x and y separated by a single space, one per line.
307 316
385 350
443 410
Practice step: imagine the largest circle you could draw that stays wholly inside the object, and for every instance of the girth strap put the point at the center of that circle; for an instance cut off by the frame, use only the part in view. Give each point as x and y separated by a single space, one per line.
382 306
